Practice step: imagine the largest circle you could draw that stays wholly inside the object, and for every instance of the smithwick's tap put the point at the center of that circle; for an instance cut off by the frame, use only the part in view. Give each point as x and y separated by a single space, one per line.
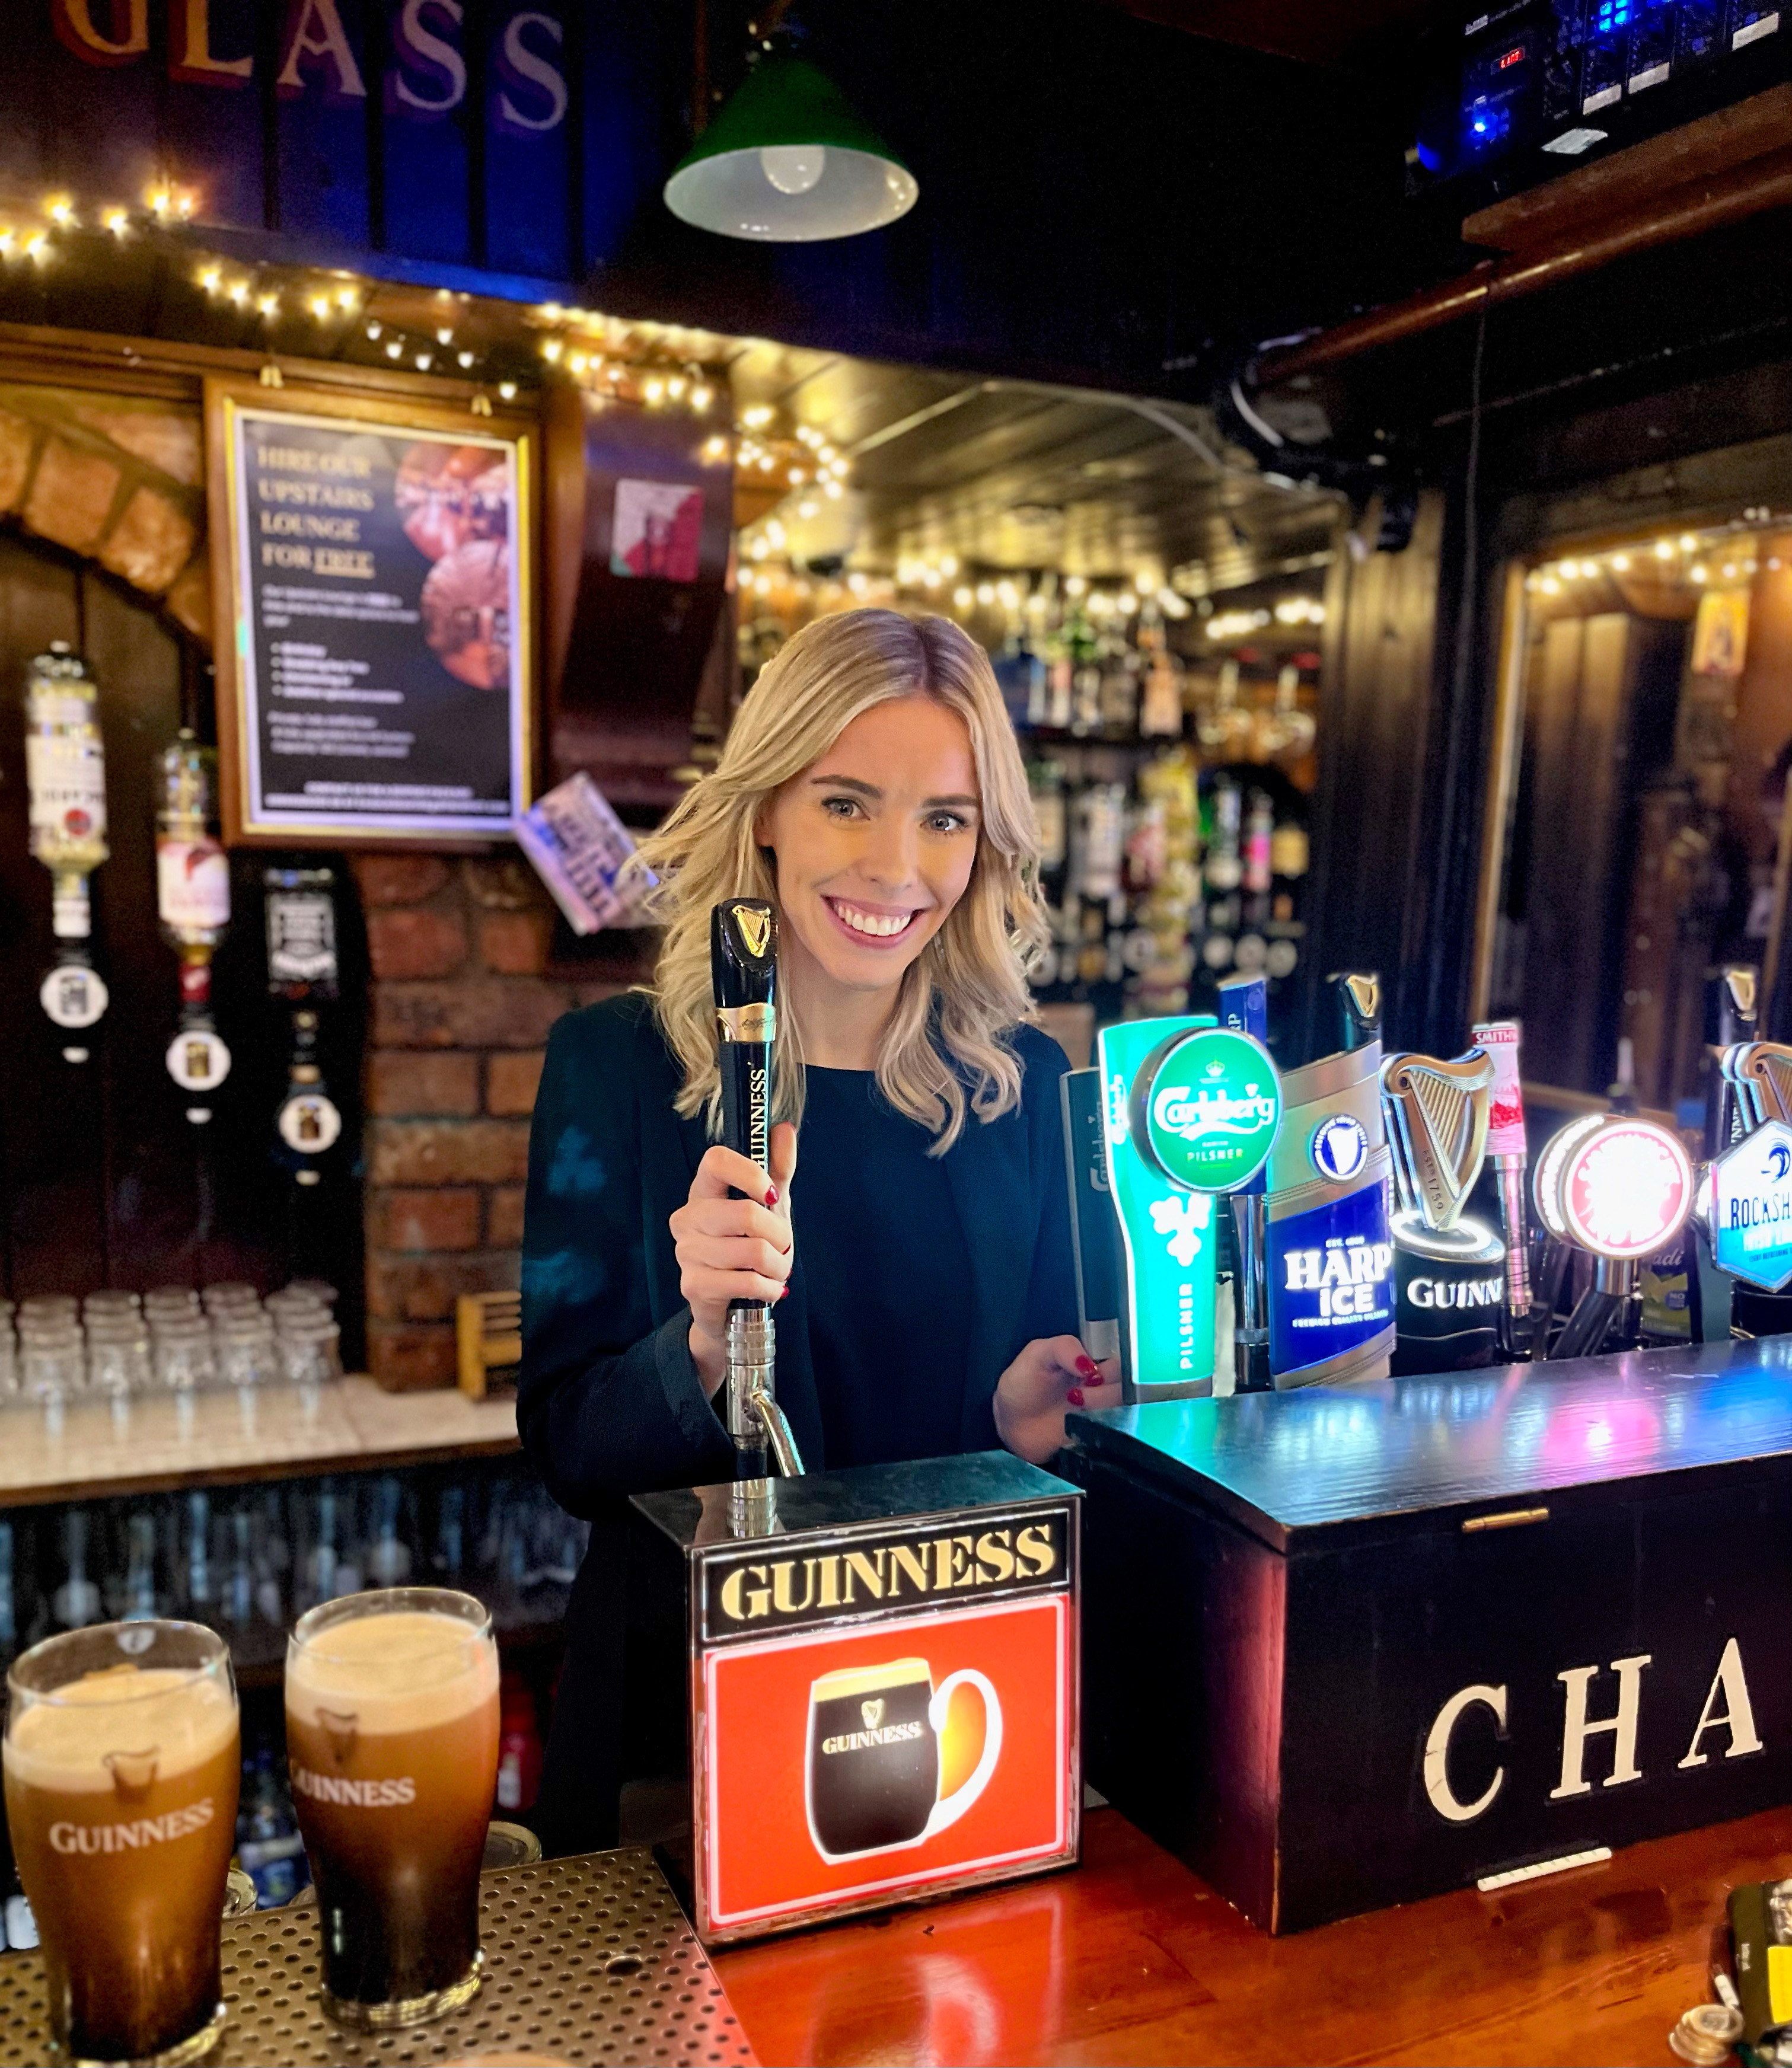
1506 1142
1620 1187
743 972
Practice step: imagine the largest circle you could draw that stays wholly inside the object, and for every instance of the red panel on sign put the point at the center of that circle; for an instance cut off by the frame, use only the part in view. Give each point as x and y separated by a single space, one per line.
923 1752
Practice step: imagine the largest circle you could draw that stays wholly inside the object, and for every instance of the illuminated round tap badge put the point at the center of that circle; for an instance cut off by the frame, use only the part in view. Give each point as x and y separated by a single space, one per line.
1207 1114
1625 1188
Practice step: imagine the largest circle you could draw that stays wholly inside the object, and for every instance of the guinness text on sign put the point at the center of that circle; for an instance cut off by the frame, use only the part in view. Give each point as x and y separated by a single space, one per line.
888 1572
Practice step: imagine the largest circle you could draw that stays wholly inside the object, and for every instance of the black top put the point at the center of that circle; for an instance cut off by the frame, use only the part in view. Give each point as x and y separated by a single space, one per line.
610 1402
890 1298
1312 1468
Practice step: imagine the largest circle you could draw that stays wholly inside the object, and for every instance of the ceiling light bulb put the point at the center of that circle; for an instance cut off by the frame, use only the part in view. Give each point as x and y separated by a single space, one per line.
116 220
395 350
794 169
507 389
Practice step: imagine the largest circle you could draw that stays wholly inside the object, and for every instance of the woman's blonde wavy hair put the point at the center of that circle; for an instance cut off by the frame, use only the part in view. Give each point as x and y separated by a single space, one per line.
943 1053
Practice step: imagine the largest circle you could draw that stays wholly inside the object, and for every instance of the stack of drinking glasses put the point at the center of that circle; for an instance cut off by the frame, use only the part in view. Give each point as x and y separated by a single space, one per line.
171 1340
52 1361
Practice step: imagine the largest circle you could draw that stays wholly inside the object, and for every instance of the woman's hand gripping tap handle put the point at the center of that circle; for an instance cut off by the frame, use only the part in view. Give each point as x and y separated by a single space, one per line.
743 969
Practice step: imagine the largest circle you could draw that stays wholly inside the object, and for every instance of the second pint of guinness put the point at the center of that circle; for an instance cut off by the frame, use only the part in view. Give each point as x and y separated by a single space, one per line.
391 1744
122 1759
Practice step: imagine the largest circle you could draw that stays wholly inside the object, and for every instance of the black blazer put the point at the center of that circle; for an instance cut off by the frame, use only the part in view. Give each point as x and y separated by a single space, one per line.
610 1403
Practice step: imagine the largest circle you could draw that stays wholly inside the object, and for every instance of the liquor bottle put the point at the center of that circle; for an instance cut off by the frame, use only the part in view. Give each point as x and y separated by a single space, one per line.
389 1560
76 1603
450 1551
65 774
202 1590
236 1604
269 1847
192 900
518 1745
9 1606
273 1560
139 1603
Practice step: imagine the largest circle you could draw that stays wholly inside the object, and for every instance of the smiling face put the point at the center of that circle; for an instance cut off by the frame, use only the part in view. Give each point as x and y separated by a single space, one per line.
875 844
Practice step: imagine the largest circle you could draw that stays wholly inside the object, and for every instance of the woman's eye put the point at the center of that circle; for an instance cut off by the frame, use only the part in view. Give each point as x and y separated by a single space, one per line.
947 822
840 807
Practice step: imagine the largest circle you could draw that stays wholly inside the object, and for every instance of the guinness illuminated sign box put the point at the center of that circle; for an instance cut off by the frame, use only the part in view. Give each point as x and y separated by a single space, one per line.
1350 1648
882 1694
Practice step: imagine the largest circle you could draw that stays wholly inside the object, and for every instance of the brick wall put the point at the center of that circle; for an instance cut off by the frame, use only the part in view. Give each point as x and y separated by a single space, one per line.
463 995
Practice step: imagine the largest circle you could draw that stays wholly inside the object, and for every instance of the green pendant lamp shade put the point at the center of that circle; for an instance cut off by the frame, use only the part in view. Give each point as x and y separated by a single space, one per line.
788 161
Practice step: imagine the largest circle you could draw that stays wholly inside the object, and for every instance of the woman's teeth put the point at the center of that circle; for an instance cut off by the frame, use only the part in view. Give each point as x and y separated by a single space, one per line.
879 924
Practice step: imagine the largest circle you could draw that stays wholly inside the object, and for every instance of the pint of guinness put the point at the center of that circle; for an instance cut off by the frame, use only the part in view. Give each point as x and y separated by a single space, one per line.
122 1759
392 1745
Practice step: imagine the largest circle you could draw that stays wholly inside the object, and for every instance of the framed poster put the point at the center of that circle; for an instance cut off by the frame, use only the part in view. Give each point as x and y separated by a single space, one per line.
372 563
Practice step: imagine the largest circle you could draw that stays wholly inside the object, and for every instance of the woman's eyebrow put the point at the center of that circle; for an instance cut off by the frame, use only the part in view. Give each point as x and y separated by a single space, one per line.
871 790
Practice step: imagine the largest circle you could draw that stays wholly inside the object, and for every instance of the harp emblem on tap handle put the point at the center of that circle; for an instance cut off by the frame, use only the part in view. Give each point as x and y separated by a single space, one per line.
1437 1119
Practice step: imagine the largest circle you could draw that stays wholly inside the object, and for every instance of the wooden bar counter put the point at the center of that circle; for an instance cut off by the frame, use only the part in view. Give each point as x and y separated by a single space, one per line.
1131 1958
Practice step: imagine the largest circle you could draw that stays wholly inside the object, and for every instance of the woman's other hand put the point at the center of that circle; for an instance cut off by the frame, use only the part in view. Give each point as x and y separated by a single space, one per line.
732 1249
1050 1374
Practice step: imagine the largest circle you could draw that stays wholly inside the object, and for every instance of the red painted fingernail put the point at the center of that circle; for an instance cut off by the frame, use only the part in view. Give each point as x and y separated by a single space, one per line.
772 1197
1075 1396
1086 1367
783 1292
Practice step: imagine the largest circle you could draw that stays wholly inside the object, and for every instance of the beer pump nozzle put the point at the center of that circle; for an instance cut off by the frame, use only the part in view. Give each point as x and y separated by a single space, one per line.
1357 994
743 972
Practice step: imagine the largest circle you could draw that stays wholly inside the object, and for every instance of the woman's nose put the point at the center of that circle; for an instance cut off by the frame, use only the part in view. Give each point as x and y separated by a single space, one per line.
890 855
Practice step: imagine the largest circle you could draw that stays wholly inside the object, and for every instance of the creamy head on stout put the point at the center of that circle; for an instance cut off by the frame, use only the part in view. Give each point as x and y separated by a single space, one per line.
410 1671
88 1737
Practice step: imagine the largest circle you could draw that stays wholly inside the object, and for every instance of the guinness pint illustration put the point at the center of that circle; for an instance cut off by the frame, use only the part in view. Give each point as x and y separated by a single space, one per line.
874 1767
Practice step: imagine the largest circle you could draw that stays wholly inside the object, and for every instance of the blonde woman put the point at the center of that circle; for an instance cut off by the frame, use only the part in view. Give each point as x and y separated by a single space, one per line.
920 1256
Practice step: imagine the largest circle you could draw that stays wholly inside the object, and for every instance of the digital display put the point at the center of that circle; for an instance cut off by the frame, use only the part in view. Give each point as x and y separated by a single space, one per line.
1512 57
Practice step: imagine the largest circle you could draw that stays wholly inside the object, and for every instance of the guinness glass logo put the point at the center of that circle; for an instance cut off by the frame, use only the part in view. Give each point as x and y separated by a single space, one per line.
1205 1109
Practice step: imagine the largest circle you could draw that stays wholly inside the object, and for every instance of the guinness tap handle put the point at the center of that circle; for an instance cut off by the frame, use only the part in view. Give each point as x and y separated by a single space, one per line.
1357 994
743 973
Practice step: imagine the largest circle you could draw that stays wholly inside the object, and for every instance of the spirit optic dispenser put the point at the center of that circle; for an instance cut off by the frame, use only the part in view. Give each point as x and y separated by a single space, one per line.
192 900
744 970
302 969
65 773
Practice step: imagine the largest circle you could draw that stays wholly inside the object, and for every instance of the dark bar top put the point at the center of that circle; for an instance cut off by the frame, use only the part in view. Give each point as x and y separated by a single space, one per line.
1319 1466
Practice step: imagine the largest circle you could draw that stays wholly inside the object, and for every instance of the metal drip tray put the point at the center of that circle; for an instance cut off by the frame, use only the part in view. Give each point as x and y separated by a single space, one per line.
588 1960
